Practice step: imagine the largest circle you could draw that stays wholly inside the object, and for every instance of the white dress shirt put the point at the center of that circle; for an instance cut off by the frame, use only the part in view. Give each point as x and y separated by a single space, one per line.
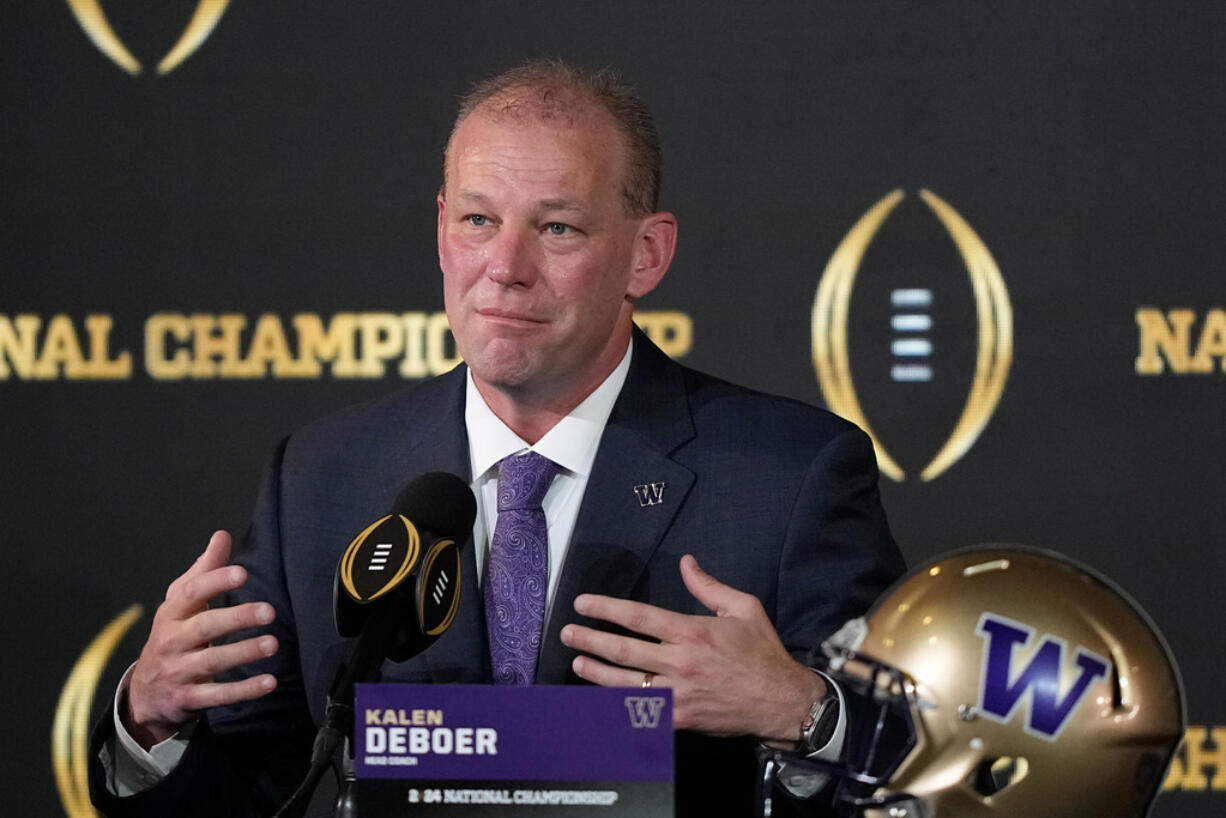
572 444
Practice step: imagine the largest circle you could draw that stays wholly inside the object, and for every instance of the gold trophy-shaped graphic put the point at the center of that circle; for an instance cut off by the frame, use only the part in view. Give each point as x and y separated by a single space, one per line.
93 20
994 320
70 729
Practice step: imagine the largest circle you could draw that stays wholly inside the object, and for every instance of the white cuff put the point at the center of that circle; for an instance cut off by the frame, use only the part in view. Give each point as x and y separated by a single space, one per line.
130 768
832 749
806 783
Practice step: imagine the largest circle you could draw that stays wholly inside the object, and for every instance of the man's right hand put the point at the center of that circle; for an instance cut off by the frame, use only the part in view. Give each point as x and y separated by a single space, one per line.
172 680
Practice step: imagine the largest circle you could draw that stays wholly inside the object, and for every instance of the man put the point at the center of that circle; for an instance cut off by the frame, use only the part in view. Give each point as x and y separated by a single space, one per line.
548 232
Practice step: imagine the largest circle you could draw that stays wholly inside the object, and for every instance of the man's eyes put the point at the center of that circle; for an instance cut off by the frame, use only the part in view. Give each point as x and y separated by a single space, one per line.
551 228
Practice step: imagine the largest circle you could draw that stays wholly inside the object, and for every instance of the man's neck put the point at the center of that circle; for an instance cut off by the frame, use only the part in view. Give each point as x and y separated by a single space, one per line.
531 416
532 413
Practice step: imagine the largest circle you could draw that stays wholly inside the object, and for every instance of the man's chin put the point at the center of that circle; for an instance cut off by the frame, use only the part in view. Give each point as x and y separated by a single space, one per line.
508 373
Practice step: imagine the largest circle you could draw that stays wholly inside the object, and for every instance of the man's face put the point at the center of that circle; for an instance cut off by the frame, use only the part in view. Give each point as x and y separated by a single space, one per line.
539 260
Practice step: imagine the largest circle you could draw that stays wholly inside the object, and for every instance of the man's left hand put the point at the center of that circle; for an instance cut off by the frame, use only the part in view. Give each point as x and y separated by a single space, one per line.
729 673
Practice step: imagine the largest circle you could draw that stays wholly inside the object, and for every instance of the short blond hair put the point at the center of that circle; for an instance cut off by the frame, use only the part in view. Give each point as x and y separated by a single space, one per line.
551 88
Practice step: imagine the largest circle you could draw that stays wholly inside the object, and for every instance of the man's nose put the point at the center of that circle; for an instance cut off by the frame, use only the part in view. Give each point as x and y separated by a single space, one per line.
512 257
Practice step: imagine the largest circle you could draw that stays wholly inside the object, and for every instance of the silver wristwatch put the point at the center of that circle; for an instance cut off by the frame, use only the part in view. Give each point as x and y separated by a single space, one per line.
818 725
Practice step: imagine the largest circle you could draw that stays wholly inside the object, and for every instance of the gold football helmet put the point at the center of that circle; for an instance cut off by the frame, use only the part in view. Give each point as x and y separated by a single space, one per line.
1005 681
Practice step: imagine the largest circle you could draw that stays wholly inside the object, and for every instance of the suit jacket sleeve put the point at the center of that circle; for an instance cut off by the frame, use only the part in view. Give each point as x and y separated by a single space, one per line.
246 759
836 557
837 532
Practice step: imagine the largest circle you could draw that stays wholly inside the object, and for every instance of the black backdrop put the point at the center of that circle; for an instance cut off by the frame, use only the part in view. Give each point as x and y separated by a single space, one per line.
288 166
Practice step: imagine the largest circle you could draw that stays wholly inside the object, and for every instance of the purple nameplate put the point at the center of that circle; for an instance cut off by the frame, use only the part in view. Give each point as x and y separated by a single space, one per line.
509 733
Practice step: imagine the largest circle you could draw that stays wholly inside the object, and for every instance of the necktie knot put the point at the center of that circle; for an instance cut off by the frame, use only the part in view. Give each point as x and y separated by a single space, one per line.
523 480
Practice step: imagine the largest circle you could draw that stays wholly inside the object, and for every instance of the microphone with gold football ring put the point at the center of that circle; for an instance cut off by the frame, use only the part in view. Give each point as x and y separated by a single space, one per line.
397 590
398 583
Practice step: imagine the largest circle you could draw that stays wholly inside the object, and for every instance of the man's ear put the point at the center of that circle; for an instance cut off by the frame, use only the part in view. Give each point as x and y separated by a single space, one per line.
653 253
442 207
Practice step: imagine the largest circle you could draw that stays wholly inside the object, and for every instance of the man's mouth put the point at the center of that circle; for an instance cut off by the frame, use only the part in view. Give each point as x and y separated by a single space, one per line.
508 316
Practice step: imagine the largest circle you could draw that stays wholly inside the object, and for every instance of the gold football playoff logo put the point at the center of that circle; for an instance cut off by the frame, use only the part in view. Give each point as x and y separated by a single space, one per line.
70 729
995 331
93 20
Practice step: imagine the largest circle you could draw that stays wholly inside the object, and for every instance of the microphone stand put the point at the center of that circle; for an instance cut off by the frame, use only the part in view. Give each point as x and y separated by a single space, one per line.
336 729
346 802
392 626
327 741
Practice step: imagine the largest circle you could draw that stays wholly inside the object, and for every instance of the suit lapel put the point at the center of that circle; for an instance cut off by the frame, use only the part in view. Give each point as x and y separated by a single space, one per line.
634 493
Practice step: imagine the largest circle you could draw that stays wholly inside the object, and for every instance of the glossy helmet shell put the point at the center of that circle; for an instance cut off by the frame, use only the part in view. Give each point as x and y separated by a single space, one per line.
1035 687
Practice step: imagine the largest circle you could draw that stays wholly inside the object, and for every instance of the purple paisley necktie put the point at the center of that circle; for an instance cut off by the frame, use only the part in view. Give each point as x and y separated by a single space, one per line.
518 570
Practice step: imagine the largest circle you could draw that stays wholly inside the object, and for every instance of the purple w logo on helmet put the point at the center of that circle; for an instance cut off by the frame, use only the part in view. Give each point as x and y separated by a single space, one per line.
1002 689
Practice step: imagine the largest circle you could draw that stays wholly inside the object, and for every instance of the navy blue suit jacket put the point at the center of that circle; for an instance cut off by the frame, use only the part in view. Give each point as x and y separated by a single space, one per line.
772 496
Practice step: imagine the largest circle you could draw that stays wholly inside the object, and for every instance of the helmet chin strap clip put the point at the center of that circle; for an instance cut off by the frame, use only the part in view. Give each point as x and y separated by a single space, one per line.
845 640
911 808
896 806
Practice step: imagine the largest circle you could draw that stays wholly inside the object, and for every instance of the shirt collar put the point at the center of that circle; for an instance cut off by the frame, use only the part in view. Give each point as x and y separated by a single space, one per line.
572 443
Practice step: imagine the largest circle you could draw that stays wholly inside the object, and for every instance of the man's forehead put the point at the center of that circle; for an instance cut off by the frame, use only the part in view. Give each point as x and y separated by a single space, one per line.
552 204
532 144
483 126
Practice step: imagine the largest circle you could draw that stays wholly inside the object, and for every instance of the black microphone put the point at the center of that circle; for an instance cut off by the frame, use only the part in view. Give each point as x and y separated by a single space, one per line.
397 590
398 583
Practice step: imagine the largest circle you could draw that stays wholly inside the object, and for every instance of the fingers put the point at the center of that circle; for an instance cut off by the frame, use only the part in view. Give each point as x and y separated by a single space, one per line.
214 694
208 577
209 625
198 691
174 676
216 553
182 704
619 650
599 673
729 673
205 664
720 599
167 690
669 626
638 617
193 592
